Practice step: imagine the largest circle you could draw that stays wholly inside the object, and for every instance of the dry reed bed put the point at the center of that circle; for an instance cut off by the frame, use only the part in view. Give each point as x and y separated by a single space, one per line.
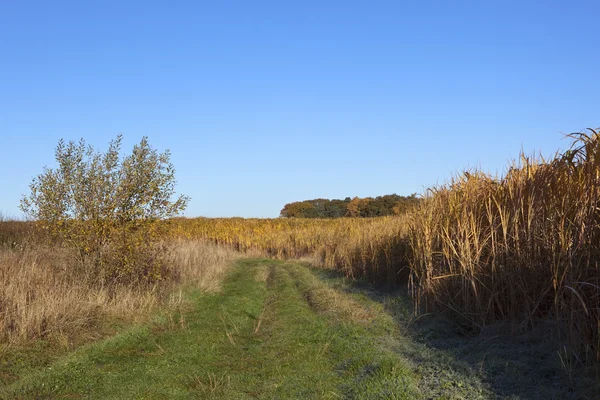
522 248
46 293
370 248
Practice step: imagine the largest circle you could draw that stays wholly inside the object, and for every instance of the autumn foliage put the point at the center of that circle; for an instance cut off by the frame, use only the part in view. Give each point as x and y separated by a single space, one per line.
368 207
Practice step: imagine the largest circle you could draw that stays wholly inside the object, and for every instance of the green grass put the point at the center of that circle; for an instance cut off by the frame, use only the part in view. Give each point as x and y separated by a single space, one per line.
257 338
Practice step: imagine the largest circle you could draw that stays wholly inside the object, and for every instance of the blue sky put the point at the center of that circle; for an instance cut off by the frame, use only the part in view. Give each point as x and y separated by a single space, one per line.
263 103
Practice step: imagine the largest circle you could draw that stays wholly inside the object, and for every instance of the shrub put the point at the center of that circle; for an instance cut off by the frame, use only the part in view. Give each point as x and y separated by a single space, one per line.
108 208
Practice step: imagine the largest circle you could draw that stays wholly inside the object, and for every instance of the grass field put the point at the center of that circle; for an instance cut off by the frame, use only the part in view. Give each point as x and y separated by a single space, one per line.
284 330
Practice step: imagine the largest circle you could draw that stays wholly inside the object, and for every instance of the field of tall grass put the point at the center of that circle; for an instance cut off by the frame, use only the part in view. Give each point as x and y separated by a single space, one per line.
368 248
523 248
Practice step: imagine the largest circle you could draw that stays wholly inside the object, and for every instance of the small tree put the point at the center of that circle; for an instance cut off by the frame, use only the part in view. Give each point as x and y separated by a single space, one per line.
108 208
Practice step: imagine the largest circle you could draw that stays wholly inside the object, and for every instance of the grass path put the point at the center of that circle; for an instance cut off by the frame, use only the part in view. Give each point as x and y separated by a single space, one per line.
274 331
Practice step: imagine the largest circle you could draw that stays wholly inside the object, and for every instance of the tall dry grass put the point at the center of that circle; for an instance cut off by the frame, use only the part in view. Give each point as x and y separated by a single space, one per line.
46 294
369 248
200 264
15 233
523 248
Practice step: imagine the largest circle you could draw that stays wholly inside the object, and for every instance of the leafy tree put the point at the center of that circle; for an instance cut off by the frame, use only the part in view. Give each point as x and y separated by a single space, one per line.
298 210
108 208
391 204
359 207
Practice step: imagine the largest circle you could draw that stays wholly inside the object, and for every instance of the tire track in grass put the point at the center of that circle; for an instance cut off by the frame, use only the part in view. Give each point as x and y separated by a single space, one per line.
362 344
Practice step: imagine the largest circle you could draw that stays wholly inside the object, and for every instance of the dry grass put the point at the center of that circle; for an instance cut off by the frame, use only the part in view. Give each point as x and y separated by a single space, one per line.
521 248
201 264
15 233
370 248
45 294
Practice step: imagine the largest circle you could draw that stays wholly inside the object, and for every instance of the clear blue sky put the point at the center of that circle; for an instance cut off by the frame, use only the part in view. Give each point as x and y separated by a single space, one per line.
263 103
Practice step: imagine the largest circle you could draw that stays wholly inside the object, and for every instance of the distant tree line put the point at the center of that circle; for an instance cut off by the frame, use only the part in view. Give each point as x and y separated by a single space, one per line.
390 204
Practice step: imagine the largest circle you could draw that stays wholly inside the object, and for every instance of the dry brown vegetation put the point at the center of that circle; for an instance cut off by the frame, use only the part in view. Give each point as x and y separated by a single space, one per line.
521 248
47 294
369 248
